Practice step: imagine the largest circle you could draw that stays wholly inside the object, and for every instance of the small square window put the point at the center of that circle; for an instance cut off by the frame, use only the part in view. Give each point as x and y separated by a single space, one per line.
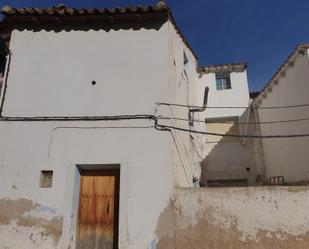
223 81
185 58
46 179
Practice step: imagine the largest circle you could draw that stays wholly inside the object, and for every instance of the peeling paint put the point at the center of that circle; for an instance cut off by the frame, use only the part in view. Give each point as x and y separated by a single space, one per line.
208 235
249 218
166 228
30 221
52 229
13 209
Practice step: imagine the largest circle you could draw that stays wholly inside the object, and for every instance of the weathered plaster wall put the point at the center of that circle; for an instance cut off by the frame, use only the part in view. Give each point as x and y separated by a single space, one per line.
287 157
26 224
50 75
146 180
182 90
249 218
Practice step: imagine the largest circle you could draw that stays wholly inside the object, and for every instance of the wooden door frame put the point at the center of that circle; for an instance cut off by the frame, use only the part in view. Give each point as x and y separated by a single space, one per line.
104 170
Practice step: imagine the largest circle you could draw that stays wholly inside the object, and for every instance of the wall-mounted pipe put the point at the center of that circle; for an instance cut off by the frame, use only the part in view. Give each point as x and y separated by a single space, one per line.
199 109
203 108
247 123
4 84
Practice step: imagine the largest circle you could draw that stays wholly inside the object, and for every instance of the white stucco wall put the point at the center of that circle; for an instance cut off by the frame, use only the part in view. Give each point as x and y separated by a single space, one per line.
287 157
50 75
238 95
51 72
183 90
229 158
146 175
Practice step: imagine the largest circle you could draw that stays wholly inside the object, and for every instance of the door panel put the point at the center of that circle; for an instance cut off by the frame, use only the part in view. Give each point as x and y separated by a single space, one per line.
98 210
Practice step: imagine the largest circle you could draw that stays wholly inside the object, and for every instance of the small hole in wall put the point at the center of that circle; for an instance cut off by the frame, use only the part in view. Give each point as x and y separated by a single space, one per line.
93 82
248 169
46 179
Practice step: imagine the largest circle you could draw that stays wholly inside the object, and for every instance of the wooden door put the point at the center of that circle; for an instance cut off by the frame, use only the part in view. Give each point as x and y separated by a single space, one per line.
98 210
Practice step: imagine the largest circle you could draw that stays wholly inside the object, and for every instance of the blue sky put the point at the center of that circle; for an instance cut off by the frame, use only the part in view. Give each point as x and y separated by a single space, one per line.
260 32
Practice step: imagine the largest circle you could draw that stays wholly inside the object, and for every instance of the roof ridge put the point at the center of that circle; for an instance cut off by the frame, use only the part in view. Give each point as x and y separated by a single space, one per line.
8 10
300 47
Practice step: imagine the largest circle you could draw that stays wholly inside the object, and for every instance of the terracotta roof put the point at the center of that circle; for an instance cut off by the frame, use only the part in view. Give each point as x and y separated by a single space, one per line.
63 16
300 49
233 67
61 10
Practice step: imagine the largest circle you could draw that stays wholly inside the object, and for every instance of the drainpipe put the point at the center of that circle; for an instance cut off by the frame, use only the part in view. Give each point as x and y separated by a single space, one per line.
246 125
191 112
203 108
5 52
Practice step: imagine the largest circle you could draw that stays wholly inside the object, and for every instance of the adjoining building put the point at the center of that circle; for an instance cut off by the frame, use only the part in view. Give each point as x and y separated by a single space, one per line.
230 161
286 161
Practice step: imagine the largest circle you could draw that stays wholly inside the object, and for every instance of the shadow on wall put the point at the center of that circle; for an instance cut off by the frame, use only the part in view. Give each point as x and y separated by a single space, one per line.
148 25
229 161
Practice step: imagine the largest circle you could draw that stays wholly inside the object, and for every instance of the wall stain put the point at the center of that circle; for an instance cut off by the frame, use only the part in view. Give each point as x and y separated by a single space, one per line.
15 210
166 228
212 236
175 231
52 228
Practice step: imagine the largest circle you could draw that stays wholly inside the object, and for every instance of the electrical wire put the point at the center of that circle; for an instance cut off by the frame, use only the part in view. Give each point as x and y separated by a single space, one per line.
180 158
168 127
233 107
80 118
157 126
103 127
242 123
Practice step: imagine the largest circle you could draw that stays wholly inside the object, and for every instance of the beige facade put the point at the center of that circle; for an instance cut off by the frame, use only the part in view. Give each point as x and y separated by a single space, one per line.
289 87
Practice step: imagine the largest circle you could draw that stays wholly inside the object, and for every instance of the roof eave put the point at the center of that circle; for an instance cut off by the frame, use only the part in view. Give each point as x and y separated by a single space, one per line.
300 49
232 67
61 16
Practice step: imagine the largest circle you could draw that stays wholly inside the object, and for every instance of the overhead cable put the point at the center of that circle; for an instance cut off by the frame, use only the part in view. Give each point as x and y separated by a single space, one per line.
157 126
230 122
234 107
166 127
